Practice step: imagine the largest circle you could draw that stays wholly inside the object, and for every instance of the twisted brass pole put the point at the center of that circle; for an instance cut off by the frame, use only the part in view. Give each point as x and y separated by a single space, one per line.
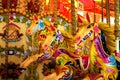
117 26
40 7
55 13
108 12
102 11
94 12
74 25
117 15
6 37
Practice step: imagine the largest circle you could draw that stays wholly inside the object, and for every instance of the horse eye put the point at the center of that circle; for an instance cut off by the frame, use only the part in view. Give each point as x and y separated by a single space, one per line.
92 24
88 26
36 22
54 34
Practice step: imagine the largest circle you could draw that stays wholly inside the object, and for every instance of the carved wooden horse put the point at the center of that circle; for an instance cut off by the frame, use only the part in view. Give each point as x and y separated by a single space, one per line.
81 54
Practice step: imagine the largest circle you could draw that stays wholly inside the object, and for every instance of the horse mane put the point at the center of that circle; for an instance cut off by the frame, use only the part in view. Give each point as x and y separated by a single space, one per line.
109 34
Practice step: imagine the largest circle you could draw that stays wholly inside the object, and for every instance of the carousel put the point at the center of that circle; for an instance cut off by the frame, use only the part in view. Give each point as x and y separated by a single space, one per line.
59 40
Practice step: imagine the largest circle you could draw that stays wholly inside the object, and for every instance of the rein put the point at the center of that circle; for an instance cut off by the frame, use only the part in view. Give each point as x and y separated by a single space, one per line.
85 37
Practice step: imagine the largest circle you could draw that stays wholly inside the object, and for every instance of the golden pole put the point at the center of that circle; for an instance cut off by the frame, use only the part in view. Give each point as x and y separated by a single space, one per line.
94 13
55 13
117 26
74 25
6 37
102 10
40 7
32 44
108 12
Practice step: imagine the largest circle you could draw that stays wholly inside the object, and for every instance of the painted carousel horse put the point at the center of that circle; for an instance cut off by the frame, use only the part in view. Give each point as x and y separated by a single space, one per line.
82 54
88 55
85 63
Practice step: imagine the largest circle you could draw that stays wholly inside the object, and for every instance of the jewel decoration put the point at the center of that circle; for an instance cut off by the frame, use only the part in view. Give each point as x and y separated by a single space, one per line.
41 25
85 37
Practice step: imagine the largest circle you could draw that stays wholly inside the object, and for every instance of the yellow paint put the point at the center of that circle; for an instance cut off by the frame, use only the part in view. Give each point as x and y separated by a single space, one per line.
47 1
97 0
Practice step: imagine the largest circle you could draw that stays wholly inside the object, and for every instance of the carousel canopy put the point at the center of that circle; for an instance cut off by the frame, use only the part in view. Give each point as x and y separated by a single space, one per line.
91 5
64 6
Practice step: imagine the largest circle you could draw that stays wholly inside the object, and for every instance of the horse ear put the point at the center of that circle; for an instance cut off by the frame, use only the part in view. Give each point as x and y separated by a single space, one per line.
80 20
35 18
88 17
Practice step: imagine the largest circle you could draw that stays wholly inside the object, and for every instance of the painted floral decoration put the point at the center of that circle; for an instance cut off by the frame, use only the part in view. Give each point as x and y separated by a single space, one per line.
12 72
48 68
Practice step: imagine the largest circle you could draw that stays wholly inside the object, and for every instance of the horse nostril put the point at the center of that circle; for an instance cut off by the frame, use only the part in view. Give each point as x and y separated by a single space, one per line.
28 30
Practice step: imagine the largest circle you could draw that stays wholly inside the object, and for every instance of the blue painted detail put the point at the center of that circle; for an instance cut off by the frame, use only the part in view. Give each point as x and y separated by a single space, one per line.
41 25
112 61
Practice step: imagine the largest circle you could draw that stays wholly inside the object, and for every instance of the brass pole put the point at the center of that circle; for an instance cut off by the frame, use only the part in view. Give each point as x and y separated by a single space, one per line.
33 7
33 35
102 11
44 6
74 24
6 37
108 12
55 13
40 7
117 15
94 12
32 68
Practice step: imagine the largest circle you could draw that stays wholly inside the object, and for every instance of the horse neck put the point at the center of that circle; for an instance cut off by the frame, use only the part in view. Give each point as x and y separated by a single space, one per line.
99 48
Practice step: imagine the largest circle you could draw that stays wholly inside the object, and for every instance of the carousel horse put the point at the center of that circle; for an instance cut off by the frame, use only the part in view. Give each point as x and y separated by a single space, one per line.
95 54
82 54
